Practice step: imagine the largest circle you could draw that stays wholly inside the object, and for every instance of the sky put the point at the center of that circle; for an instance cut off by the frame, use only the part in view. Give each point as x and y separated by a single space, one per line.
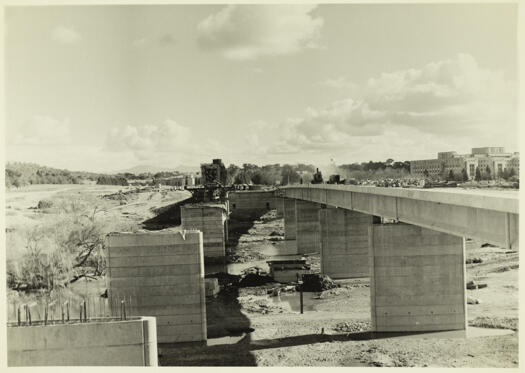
105 88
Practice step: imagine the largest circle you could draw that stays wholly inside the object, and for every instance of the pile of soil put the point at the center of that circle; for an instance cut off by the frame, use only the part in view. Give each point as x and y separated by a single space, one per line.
353 327
254 276
225 279
315 282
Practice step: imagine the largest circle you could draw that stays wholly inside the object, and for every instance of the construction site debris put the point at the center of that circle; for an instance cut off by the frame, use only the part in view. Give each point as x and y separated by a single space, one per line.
211 286
473 261
353 327
471 300
255 278
472 285
315 282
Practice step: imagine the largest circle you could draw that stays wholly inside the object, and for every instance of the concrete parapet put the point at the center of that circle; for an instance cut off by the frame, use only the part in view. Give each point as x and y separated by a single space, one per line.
344 243
308 227
164 276
210 219
96 343
417 279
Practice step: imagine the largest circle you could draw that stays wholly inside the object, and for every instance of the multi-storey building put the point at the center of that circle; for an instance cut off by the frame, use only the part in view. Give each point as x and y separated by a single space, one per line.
489 160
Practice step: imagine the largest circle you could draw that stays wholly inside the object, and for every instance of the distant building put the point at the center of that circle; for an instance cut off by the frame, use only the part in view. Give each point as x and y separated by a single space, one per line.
491 159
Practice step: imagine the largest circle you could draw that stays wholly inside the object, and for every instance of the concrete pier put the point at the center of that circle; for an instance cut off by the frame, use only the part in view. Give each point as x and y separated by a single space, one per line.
308 227
344 243
163 273
251 204
290 228
417 279
210 219
279 206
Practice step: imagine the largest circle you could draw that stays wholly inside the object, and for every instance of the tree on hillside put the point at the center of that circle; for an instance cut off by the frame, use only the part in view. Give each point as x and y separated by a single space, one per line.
487 174
289 175
425 173
232 171
464 175
478 174
450 176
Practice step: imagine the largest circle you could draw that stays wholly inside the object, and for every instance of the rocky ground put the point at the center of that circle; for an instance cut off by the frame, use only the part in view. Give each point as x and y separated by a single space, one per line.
262 325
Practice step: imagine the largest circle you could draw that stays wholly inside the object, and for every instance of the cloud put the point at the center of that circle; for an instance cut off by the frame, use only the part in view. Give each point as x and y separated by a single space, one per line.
65 35
247 32
42 130
454 102
167 39
168 144
139 42
164 40
169 136
341 82
455 95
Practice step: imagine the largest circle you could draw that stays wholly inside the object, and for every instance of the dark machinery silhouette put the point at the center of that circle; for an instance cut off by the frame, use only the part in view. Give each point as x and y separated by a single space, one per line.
318 177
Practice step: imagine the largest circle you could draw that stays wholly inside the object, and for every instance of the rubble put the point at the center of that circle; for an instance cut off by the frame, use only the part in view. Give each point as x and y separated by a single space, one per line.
316 282
472 285
471 300
353 327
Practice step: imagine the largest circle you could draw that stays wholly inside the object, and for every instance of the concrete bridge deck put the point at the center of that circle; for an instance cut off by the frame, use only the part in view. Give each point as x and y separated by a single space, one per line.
491 216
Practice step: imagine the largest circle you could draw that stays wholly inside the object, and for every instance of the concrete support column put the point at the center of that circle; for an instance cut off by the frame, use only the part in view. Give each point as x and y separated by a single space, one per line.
210 220
162 273
344 243
290 228
308 227
279 206
417 279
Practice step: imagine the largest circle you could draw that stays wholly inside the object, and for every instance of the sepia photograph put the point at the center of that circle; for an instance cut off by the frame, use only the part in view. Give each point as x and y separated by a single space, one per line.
271 185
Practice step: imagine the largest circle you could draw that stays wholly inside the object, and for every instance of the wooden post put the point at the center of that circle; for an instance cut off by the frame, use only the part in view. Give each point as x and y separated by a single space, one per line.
80 307
301 293
85 312
18 316
67 310
45 314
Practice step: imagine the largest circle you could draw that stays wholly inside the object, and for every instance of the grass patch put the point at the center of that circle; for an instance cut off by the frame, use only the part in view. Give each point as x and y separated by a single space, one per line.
495 322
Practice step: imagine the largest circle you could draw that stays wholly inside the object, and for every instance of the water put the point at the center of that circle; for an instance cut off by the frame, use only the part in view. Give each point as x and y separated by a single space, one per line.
228 340
473 332
292 302
275 250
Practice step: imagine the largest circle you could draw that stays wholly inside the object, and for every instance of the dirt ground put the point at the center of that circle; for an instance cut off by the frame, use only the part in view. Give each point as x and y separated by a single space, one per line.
248 327
119 208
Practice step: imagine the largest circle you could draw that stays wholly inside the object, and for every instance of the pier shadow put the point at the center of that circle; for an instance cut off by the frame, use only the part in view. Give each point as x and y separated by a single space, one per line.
166 216
227 329
241 222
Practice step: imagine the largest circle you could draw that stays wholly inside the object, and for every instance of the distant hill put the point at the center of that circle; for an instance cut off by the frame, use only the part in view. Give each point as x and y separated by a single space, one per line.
20 173
141 169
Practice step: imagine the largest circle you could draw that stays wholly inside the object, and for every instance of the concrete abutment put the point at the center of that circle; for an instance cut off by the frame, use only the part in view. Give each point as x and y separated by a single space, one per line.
210 219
